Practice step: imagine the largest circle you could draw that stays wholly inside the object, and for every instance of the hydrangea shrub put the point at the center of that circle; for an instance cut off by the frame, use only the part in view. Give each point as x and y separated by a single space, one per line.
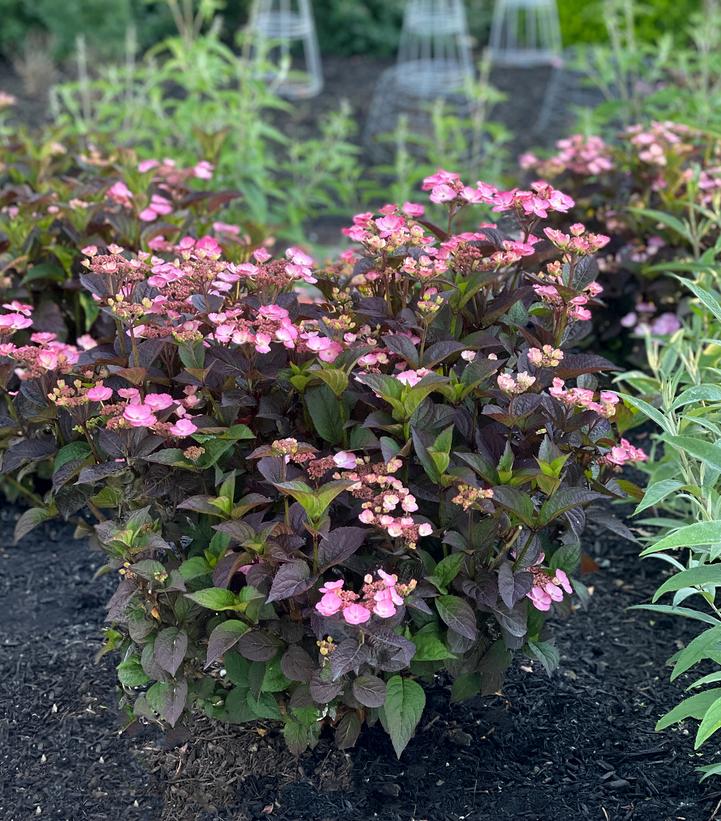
654 188
322 487
57 197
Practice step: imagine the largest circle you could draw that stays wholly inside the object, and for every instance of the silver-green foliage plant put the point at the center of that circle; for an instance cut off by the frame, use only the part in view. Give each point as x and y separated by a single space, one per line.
682 502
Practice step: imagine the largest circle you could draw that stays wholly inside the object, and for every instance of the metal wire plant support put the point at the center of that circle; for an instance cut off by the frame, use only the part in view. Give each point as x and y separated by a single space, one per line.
434 55
525 33
285 38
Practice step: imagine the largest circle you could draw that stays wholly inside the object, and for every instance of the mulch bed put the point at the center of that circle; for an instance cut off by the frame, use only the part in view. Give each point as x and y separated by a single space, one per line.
577 745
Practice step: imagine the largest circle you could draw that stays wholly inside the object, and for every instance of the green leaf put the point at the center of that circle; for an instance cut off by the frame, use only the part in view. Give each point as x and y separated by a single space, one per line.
669 220
71 452
652 413
214 598
702 647
458 615
236 706
465 686
446 570
264 706
692 707
670 610
429 645
194 568
405 702
314 502
335 378
710 723
706 297
696 394
656 493
546 653
326 413
707 452
699 533
131 673
30 519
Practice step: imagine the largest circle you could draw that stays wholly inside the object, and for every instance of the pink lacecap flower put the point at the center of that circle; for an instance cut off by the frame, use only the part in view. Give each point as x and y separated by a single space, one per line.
203 170
344 459
183 427
625 452
99 393
139 415
226 228
158 401
86 342
356 614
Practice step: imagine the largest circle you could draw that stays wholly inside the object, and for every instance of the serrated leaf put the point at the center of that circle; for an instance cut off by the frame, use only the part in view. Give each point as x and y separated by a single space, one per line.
169 649
214 598
405 702
370 691
223 638
458 615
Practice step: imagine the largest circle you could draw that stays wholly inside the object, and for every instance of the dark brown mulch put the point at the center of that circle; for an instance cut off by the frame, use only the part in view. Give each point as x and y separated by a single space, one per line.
579 745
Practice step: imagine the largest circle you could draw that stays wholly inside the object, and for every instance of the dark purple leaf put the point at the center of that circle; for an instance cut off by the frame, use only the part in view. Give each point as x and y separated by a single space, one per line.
513 586
291 579
338 545
170 647
225 636
348 655
370 691
257 645
458 615
297 665
347 731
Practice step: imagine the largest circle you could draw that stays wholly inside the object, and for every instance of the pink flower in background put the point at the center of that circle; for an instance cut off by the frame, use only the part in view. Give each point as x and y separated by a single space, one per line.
120 193
665 324
203 170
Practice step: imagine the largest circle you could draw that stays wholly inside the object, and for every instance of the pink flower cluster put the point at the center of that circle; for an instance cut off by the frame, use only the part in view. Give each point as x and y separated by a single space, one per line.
587 156
537 202
517 384
642 321
624 452
446 187
658 141
381 597
548 587
585 398
579 242
387 503
44 353
546 357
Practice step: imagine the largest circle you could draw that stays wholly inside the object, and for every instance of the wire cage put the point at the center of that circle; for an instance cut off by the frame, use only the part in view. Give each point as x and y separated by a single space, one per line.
525 33
284 38
434 55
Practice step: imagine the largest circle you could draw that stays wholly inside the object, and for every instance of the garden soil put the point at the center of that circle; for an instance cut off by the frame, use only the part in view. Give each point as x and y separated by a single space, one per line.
577 745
